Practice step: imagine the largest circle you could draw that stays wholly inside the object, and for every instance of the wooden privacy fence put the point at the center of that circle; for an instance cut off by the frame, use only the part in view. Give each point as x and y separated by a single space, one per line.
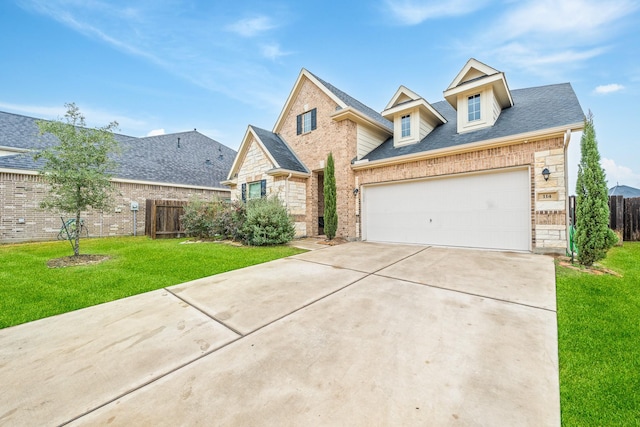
624 216
162 218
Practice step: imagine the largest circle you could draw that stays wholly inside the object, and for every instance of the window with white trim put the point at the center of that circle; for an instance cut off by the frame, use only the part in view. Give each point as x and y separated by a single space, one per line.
474 107
254 190
405 125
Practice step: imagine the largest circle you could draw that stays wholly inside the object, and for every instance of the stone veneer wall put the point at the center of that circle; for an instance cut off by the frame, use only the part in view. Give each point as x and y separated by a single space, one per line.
21 194
548 218
292 191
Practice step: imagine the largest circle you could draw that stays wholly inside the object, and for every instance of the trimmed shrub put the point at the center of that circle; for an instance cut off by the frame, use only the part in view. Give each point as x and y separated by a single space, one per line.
330 207
593 235
267 223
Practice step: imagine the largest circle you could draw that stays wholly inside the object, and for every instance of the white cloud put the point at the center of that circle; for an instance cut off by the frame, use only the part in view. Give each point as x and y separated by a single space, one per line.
619 174
549 38
193 50
156 132
610 88
273 51
250 27
575 19
412 12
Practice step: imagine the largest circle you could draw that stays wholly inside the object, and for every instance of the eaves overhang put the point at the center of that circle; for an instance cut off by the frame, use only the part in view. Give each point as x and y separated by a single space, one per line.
288 172
497 81
356 116
419 103
472 146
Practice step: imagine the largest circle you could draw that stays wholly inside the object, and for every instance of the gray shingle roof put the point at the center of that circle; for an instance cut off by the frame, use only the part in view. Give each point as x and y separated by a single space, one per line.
534 109
355 104
280 150
199 161
624 191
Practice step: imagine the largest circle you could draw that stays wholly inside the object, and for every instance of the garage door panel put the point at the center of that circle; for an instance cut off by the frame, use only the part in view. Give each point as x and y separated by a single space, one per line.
486 210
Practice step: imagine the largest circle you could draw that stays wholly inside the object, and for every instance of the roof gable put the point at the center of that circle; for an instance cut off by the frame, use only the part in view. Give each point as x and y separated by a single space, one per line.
474 76
275 149
405 99
343 101
472 70
556 106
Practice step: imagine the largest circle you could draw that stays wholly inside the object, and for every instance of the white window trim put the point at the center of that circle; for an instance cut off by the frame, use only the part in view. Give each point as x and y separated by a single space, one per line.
251 184
464 125
414 128
306 122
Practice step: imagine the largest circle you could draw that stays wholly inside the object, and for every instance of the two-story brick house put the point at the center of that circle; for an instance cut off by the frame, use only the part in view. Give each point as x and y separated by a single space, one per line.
484 168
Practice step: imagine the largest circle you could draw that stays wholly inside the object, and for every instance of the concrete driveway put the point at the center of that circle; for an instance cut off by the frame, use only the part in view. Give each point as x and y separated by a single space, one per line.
359 334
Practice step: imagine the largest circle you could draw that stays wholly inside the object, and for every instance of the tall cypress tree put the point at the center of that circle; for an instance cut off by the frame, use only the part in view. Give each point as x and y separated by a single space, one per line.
330 210
593 236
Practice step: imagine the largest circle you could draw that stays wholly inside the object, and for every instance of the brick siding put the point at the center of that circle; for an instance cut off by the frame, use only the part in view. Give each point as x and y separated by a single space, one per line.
21 218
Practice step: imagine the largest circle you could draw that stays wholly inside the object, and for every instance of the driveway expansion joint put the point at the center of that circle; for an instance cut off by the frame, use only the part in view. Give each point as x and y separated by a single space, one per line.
235 331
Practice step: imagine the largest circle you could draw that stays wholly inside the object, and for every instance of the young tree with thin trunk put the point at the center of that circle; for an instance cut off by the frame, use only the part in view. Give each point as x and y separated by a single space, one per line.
330 209
77 169
593 235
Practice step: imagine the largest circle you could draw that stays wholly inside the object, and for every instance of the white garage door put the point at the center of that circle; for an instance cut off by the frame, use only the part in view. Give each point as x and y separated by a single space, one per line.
489 210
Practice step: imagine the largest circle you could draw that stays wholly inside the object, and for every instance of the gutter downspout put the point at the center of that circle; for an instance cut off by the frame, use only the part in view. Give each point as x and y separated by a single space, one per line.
567 139
286 192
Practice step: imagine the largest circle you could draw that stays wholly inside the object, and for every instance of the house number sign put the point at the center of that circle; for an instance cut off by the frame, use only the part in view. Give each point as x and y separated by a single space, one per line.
548 196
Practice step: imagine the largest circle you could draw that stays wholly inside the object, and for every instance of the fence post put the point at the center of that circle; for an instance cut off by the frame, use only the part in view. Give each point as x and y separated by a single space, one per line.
616 216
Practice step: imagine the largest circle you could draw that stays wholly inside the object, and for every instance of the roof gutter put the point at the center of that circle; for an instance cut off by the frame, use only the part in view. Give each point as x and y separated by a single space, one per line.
287 172
463 148
352 114
123 180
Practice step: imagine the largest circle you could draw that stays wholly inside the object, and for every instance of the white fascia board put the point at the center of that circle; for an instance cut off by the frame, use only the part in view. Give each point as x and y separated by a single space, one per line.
402 90
472 63
244 146
451 95
19 171
421 103
167 184
360 118
15 149
304 73
282 172
473 146
123 180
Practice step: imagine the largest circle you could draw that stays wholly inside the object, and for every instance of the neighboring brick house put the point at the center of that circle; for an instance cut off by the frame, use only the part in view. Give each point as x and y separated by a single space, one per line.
466 171
176 166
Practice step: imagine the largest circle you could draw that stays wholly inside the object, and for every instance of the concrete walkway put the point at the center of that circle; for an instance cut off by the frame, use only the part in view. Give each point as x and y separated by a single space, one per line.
359 334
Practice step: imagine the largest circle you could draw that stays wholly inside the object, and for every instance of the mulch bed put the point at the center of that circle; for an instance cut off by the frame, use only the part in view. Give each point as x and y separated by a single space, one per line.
71 261
594 269
333 242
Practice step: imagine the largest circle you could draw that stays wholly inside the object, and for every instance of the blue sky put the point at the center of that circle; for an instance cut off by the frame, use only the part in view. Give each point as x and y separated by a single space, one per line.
174 65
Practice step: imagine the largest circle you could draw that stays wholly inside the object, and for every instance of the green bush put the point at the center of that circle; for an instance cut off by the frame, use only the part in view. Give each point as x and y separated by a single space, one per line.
267 223
198 219
229 221
217 219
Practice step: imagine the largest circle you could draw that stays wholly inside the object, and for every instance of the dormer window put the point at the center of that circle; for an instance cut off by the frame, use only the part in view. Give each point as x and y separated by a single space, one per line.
474 107
405 124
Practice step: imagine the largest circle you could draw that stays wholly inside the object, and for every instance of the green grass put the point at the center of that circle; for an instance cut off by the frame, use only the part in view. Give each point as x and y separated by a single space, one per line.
599 342
30 290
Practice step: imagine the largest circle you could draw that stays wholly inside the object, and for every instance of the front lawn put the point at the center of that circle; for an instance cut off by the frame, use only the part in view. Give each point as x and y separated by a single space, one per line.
30 290
599 342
